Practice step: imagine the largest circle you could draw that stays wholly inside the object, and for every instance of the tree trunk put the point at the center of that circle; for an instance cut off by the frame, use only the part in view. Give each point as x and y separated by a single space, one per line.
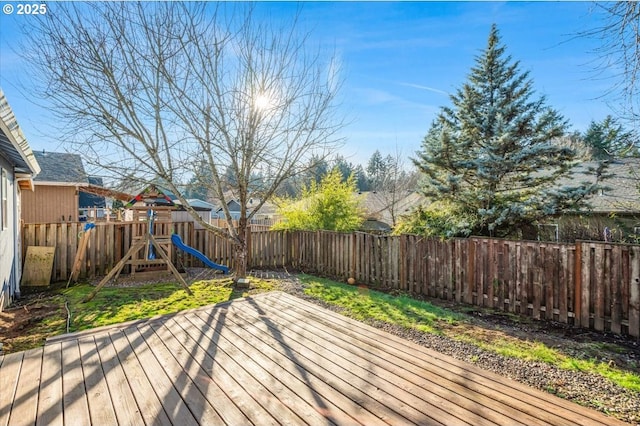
241 261
242 256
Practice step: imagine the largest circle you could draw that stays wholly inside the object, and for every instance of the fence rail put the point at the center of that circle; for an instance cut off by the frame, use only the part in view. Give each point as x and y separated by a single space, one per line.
589 284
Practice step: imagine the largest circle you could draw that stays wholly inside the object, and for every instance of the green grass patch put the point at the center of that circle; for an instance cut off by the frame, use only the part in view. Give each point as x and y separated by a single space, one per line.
623 378
538 351
364 304
113 305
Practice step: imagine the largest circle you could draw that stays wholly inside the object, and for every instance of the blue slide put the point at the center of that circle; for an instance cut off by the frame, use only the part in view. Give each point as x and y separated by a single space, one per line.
177 241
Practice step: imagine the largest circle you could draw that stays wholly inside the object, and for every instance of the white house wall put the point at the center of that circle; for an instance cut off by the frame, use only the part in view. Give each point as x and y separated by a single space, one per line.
9 246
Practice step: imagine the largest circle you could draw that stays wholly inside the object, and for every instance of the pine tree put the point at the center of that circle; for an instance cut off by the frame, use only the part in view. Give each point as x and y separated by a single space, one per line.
491 154
362 182
608 140
345 168
376 170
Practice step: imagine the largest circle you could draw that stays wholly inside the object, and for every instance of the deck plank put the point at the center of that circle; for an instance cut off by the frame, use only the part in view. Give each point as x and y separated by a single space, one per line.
122 396
334 406
383 398
74 400
263 387
9 375
151 406
268 359
25 404
176 368
317 399
426 387
162 384
100 406
224 372
50 399
431 399
494 386
505 390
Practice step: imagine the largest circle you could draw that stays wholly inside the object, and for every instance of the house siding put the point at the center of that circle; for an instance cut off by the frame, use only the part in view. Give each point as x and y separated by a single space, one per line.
50 204
9 256
184 216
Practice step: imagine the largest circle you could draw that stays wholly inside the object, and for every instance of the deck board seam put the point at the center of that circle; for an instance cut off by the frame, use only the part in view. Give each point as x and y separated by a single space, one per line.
577 411
330 368
232 345
382 365
230 364
269 352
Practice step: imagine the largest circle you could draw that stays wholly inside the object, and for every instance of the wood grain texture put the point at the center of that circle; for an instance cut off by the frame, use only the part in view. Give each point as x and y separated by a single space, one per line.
271 359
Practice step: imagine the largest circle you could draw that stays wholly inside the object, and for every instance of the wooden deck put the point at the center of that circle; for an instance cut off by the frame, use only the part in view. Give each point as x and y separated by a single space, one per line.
271 359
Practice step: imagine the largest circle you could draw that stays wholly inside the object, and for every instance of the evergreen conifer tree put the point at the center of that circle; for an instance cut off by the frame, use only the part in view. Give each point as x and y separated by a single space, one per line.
491 154
608 140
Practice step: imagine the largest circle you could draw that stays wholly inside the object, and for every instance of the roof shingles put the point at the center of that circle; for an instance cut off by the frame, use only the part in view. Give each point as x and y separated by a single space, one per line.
60 167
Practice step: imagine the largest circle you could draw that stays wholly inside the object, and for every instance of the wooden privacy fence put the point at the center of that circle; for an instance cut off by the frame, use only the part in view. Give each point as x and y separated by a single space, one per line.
588 284
109 242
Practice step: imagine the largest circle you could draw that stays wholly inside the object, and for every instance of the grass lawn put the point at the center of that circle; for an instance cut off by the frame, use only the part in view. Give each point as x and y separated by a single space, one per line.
364 304
45 315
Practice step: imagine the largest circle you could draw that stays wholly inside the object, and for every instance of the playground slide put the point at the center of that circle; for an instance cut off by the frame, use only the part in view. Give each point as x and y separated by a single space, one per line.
177 241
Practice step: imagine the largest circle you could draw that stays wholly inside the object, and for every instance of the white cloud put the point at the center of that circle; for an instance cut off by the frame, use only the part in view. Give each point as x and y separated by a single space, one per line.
430 89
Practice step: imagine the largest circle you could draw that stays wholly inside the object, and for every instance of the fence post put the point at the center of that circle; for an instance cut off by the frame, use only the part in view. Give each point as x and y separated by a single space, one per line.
471 271
247 240
577 278
402 260
634 292
352 272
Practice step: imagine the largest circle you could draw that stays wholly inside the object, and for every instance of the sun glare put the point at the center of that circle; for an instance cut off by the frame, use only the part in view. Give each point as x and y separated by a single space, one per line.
262 102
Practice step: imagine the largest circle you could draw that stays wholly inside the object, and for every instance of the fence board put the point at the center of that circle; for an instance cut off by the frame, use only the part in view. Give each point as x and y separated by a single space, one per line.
586 284
599 293
587 271
634 292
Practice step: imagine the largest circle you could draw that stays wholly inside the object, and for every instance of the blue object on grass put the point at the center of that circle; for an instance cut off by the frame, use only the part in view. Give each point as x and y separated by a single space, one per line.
177 241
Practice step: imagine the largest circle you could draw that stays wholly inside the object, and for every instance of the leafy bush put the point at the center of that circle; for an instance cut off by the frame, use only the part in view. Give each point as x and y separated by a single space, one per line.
330 205
440 219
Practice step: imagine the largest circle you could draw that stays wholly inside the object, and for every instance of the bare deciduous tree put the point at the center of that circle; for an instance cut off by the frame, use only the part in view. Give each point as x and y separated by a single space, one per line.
396 184
620 49
152 91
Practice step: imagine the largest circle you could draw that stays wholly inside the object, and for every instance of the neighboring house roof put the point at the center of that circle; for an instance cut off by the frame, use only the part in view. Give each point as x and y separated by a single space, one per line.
92 200
232 205
60 168
373 225
620 191
373 203
14 145
376 204
267 209
197 204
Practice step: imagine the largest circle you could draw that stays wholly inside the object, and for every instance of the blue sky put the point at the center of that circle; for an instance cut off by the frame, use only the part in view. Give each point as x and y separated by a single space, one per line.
400 61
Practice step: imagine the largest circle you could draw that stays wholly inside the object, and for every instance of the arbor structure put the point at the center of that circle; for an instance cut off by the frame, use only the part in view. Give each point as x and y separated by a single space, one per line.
490 156
172 91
